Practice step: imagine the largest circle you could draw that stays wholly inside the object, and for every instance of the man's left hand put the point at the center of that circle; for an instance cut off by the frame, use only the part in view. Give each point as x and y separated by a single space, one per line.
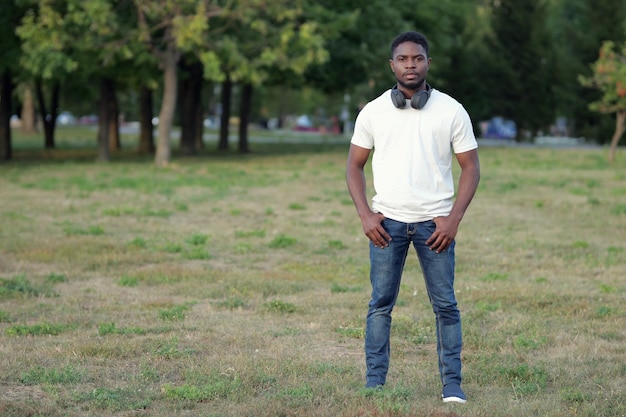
444 234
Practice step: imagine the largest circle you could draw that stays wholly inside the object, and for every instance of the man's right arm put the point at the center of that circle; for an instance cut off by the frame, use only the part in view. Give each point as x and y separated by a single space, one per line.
355 178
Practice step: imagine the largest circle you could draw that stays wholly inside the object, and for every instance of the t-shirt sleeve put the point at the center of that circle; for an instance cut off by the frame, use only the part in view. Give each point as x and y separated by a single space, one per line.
362 135
463 138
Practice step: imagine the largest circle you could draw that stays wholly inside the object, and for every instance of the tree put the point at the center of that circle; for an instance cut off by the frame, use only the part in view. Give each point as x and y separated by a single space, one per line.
47 55
522 79
146 134
112 53
28 112
10 50
461 56
225 102
609 76
49 33
190 97
357 63
6 91
263 38
169 29
579 27
87 42
357 66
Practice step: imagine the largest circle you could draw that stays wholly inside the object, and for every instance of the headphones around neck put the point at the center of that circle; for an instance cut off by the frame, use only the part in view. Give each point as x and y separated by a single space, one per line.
418 100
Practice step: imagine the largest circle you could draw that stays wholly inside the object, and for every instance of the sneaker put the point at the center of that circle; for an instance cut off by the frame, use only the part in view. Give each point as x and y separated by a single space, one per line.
452 393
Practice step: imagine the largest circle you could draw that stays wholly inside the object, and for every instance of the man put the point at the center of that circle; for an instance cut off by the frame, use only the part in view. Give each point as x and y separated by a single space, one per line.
413 130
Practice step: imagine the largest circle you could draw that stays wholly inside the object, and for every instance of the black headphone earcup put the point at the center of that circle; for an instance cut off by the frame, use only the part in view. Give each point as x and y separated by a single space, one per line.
397 98
419 99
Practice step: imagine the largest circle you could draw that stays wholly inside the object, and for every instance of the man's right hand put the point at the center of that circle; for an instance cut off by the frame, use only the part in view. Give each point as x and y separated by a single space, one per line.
374 230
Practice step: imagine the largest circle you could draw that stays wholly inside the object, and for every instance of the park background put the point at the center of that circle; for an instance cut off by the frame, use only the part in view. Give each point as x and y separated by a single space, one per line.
521 68
166 269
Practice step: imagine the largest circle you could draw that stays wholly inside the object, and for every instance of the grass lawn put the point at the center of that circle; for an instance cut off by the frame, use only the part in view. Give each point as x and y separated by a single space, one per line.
237 285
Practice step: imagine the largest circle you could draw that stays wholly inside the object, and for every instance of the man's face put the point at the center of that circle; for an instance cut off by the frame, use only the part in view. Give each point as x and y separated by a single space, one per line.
410 65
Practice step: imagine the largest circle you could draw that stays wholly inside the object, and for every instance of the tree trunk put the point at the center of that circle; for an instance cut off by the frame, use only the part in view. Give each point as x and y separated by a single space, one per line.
113 118
620 120
6 91
28 112
146 130
245 110
104 150
199 130
49 119
168 106
281 110
227 87
191 93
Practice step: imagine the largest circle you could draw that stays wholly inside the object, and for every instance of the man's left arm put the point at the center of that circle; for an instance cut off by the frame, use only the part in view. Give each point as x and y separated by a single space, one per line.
448 226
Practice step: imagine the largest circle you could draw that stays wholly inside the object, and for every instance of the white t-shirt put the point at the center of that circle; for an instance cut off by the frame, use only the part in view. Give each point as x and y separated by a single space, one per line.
412 159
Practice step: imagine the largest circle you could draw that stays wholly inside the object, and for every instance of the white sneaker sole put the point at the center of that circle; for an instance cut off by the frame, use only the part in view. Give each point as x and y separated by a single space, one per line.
454 400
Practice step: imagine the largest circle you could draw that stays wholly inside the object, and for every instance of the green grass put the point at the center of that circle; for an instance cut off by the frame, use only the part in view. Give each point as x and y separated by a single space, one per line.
237 285
39 375
111 328
38 329
19 286
174 313
280 306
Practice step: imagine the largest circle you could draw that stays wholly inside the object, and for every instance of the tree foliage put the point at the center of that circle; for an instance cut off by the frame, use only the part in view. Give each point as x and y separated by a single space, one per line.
516 58
520 72
68 40
578 28
609 76
259 41
169 29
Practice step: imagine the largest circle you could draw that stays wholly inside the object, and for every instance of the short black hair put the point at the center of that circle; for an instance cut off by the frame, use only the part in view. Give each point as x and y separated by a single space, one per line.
414 37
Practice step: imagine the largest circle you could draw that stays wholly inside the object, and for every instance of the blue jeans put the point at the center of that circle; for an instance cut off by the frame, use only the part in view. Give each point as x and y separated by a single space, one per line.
386 266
